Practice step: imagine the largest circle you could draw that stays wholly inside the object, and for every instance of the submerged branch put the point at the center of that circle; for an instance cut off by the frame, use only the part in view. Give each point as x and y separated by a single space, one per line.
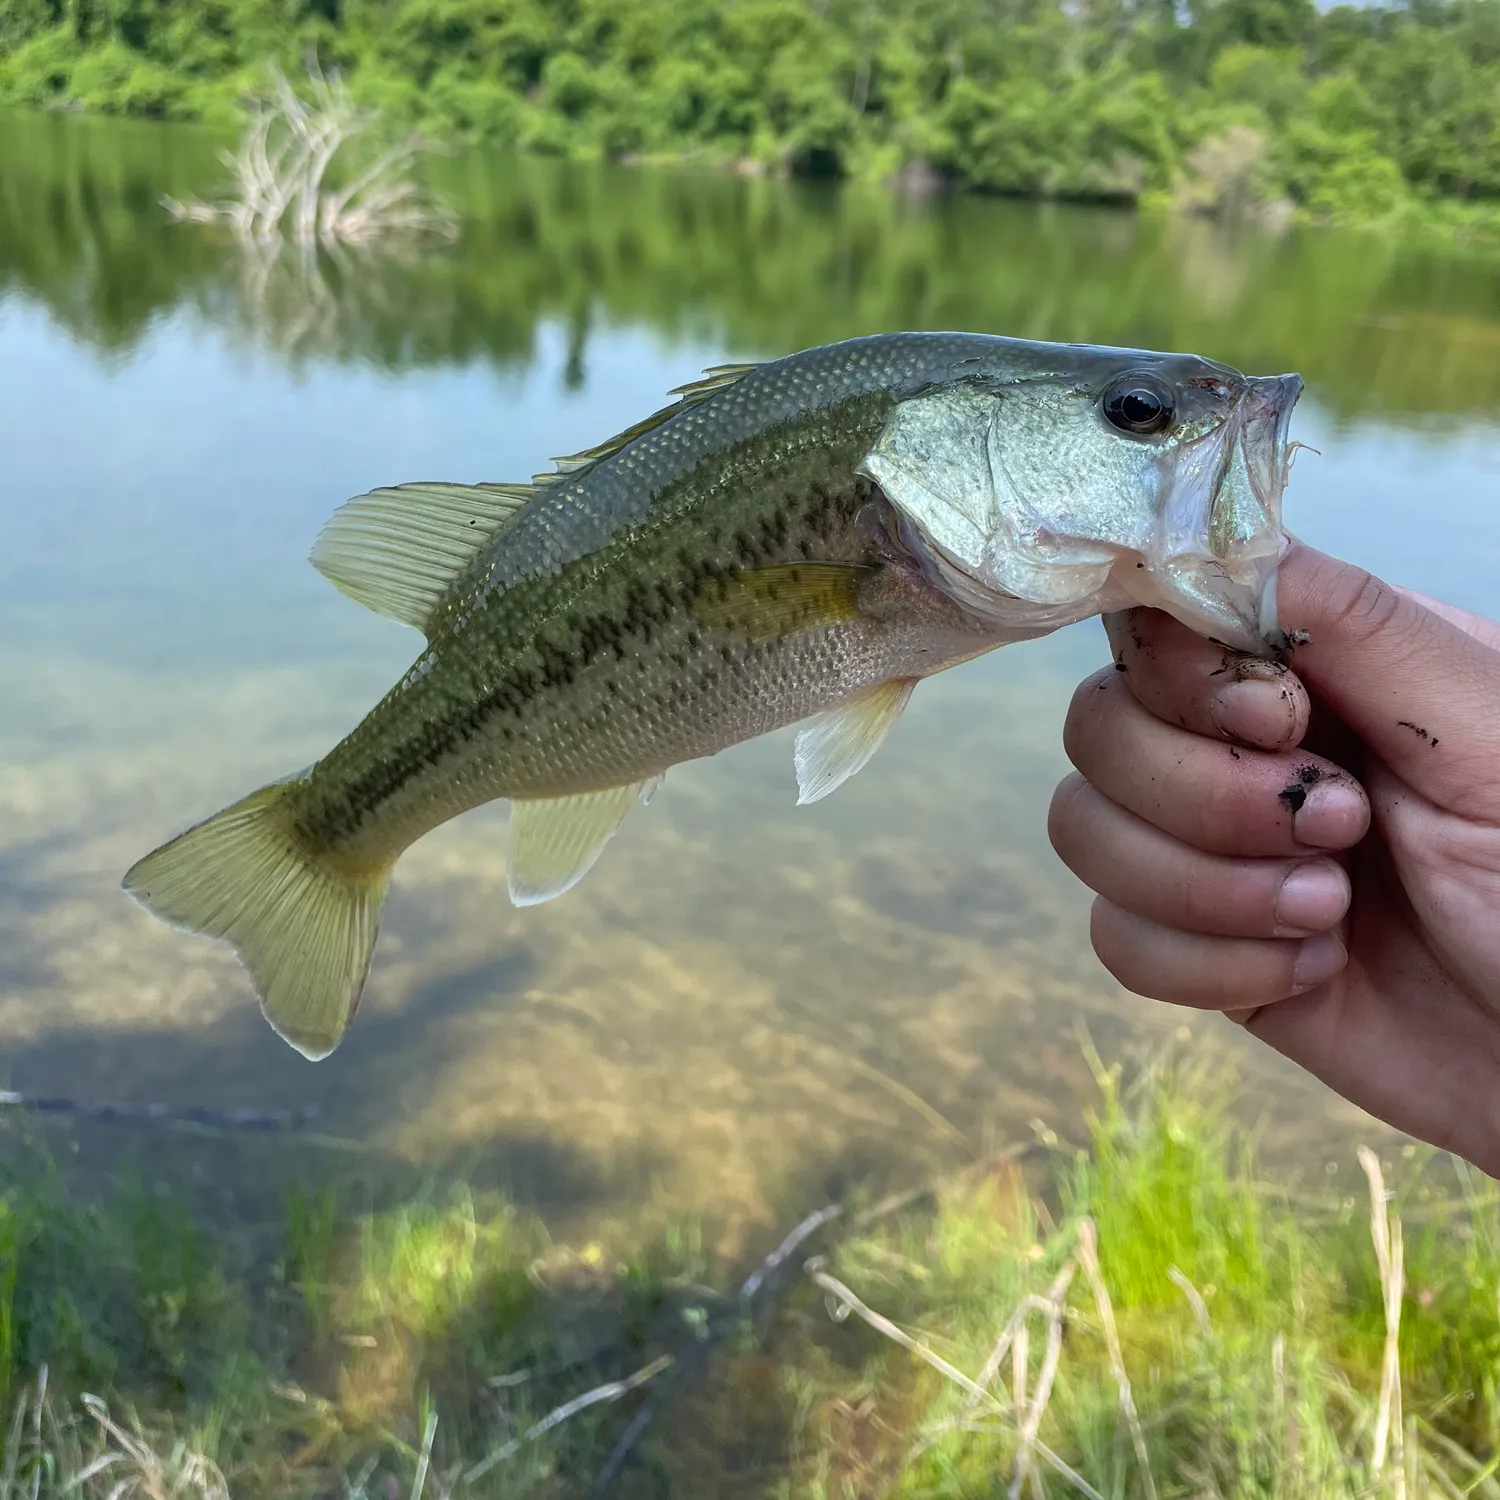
280 174
610 1391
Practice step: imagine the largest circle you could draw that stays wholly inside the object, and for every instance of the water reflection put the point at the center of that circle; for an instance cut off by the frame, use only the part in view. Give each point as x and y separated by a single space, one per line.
746 1006
1375 326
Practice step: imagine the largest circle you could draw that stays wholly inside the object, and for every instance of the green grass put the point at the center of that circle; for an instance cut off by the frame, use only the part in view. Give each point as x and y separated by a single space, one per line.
128 1330
1250 1318
391 1348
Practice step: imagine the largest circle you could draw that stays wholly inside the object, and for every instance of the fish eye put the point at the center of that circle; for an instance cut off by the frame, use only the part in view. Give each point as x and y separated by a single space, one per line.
1141 405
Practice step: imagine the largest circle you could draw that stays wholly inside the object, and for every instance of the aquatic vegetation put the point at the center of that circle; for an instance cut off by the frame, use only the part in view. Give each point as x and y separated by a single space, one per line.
1149 1313
1162 1320
291 178
1367 113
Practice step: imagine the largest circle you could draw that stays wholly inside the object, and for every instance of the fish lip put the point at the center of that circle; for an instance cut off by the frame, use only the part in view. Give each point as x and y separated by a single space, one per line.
1273 398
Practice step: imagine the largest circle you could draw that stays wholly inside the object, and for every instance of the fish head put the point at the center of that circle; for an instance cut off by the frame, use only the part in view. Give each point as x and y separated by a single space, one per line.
1098 481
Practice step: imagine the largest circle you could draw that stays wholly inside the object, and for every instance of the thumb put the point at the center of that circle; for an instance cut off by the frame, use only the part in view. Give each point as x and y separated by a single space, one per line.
1417 686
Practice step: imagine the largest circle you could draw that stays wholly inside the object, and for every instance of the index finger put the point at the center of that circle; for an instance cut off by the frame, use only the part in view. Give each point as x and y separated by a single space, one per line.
1416 686
1486 632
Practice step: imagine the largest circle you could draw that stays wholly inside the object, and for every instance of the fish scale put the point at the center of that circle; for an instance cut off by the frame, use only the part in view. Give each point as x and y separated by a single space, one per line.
515 715
799 540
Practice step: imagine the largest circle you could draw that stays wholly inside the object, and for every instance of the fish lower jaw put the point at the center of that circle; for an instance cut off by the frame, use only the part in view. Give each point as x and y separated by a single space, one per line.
1240 614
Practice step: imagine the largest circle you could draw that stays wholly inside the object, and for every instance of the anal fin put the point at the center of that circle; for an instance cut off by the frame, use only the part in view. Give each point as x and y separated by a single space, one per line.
839 742
554 841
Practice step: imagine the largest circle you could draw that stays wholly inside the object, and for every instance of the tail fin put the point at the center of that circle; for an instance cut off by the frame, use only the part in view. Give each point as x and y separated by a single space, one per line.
304 927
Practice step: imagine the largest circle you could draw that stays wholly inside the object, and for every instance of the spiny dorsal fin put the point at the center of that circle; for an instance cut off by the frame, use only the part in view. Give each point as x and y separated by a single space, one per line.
836 744
554 841
714 380
397 550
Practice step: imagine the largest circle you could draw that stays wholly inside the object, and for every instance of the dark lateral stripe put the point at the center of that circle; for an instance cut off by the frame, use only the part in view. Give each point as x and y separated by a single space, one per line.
812 513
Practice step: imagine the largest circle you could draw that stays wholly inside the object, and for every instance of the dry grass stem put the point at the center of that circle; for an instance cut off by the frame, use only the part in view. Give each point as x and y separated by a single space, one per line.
1036 1408
1088 1253
897 1090
1385 1231
1027 1305
1195 1300
147 1475
611 1390
1020 1367
982 1397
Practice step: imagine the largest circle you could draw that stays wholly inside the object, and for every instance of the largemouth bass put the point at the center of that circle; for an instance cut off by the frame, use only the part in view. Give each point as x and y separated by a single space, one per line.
804 539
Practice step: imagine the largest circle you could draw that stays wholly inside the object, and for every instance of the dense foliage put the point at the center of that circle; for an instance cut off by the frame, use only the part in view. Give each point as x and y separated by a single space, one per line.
1363 111
1385 328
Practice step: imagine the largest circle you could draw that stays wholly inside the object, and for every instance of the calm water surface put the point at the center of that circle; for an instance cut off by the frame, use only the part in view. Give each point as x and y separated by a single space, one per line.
746 1006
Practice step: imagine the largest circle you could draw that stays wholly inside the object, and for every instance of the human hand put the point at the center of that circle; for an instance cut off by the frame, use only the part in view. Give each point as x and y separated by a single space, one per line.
1341 899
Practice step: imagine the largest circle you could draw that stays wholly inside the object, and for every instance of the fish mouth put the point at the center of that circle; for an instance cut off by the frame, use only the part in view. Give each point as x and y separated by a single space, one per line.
1263 436
1214 559
1268 459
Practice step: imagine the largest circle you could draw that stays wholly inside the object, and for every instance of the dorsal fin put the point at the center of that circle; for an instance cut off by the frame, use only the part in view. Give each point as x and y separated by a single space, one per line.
396 550
713 380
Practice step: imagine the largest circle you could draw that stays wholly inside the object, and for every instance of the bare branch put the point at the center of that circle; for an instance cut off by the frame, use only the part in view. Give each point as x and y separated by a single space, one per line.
280 174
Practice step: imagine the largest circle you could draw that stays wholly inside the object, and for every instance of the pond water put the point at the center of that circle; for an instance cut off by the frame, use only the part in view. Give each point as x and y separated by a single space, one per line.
747 1006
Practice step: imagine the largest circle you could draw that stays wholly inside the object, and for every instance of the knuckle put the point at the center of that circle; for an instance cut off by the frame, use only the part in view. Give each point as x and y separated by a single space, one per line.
1093 700
1065 813
1221 822
1358 605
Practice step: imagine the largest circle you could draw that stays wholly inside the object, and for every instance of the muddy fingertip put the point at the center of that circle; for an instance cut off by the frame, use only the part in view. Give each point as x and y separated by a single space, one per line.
1259 703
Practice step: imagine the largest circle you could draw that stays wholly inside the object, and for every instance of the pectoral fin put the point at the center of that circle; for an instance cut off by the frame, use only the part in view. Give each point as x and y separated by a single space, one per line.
554 841
768 604
836 744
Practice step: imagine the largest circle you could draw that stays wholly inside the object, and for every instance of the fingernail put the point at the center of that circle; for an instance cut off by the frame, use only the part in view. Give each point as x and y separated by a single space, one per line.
1311 899
1255 711
1330 815
1320 959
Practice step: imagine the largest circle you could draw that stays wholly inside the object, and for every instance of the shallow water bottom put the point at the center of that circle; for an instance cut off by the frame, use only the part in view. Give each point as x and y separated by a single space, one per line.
744 1011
